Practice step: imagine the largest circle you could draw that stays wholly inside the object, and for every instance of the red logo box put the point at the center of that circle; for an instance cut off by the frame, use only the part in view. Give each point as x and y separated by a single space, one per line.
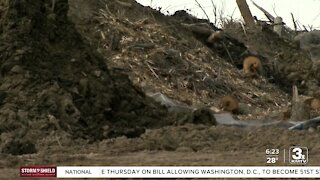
38 171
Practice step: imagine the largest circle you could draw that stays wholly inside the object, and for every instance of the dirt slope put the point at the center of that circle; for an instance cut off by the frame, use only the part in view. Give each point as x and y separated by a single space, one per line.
176 63
160 55
85 66
53 83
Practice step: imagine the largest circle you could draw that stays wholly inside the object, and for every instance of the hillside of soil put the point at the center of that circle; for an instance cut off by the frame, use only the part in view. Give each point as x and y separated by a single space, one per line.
76 80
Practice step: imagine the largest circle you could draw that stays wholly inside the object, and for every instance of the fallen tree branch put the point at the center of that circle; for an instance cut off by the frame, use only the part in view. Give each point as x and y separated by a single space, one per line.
266 13
294 22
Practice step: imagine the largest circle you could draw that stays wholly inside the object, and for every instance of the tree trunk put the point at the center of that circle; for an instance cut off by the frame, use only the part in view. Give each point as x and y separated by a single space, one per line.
245 12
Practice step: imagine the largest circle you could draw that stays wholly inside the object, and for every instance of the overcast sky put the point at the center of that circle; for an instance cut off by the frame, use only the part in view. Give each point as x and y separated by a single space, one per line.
306 12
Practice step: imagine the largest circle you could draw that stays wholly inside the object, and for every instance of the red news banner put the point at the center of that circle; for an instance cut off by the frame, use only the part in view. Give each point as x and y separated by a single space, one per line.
38 171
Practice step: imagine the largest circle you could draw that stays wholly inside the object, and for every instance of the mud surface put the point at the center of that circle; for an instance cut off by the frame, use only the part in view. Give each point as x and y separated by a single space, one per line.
53 83
73 84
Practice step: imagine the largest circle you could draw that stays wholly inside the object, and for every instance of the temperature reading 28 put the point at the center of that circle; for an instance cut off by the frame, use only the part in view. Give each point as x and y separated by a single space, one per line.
272 160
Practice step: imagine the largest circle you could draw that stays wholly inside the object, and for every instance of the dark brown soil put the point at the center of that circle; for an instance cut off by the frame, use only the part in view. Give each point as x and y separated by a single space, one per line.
73 85
53 82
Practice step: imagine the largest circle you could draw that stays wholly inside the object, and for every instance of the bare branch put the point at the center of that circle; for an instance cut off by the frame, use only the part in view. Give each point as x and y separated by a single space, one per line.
202 10
294 22
215 13
266 13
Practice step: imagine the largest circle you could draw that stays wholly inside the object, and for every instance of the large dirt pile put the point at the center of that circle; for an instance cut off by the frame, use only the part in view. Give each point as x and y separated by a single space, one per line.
59 97
160 55
53 84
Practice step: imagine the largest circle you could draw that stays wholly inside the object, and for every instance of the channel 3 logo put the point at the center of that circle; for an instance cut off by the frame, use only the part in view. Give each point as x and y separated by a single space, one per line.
298 155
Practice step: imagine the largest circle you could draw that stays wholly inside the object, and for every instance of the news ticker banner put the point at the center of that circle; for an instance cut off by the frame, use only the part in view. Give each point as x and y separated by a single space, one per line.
171 171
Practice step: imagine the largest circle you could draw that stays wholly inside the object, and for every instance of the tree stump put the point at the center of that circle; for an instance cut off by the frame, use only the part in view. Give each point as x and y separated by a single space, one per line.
300 110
